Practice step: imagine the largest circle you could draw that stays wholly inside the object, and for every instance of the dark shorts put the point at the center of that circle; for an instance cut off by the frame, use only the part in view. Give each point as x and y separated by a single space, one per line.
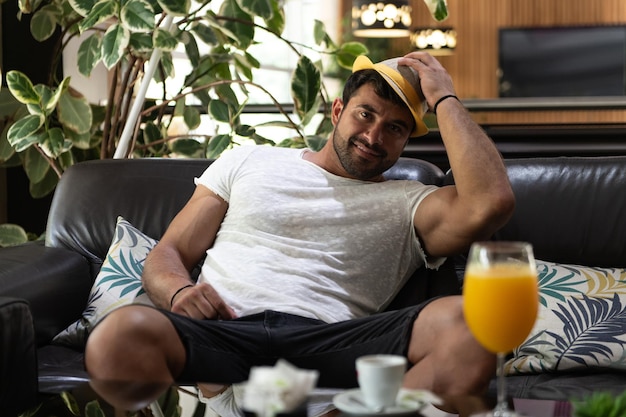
223 351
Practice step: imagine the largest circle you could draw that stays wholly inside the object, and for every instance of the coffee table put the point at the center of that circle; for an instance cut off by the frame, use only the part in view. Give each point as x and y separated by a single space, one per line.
452 406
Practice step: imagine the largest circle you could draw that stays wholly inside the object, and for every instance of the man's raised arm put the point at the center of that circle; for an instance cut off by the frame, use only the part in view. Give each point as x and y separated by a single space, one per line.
481 201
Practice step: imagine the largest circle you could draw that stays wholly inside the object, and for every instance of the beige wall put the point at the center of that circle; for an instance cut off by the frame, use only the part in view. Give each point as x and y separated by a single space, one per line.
475 61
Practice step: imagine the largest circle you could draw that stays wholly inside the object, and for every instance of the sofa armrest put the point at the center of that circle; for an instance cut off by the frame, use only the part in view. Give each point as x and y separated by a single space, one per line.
54 281
18 364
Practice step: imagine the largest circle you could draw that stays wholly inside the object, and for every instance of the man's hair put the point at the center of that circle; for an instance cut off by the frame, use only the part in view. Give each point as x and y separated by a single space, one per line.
381 87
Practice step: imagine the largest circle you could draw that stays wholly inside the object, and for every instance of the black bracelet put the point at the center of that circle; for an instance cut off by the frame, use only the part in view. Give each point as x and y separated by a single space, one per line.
176 293
442 99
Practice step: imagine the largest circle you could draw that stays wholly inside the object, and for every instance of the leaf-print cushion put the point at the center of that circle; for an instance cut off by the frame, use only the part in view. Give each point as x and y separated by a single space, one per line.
118 283
581 323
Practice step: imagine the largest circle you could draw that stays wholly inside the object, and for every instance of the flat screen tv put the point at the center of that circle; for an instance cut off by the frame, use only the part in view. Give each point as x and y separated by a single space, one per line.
562 61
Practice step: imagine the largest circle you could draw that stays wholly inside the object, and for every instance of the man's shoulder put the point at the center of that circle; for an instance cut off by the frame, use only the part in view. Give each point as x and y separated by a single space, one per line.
262 151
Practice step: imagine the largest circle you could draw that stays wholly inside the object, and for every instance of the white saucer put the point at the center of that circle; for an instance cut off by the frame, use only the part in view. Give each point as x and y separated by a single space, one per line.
409 402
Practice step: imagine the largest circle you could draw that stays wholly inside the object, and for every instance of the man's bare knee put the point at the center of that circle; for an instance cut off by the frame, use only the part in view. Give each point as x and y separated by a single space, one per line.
442 347
122 343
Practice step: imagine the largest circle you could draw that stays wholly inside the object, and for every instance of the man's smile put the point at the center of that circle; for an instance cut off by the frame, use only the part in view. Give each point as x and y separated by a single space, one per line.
366 151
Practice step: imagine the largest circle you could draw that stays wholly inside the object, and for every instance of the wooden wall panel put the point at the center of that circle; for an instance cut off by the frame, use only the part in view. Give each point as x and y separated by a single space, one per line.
474 64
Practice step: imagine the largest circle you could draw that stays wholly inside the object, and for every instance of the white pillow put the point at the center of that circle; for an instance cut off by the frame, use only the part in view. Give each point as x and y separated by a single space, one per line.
581 324
118 283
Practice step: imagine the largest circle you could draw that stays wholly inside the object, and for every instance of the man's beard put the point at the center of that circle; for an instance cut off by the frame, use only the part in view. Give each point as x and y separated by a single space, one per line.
353 164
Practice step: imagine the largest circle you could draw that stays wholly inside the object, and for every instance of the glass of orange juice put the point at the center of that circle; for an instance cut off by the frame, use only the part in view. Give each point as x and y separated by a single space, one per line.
500 302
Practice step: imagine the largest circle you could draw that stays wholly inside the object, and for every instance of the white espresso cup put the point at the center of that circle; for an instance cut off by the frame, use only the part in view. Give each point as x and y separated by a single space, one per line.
380 379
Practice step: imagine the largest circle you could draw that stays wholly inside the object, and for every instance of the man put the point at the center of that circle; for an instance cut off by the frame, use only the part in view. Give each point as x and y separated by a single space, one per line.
304 249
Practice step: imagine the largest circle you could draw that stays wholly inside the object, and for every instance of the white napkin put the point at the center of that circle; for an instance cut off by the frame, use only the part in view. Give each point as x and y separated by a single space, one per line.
278 389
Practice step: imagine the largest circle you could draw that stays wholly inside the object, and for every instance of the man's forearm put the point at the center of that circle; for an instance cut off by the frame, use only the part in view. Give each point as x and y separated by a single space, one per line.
163 275
479 172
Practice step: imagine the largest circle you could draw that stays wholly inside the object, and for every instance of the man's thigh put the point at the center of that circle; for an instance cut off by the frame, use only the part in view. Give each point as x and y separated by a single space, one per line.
332 349
224 351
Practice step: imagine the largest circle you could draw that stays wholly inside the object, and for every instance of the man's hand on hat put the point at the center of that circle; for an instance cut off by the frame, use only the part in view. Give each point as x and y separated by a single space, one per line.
435 81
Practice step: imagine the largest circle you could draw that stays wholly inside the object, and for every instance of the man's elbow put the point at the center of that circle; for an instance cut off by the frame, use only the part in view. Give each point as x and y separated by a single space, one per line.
498 211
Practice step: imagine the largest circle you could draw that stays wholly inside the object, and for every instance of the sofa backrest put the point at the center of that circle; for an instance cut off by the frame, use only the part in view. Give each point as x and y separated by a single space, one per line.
572 209
147 192
91 195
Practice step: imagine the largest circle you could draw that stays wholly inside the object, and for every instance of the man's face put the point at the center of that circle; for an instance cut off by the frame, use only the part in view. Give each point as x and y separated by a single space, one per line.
370 133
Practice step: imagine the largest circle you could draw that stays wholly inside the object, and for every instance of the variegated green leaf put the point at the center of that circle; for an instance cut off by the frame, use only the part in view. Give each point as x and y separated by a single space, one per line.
438 9
89 53
179 107
151 133
24 143
277 22
44 107
70 403
82 7
12 235
21 134
114 42
80 140
49 100
101 11
167 65
305 86
204 33
219 111
219 29
261 8
244 31
22 88
319 33
138 16
191 115
45 186
245 131
67 159
176 7
164 40
190 148
56 143
75 113
25 6
36 109
93 409
312 112
245 64
43 23
191 48
37 165
348 52
141 42
8 104
217 145
6 150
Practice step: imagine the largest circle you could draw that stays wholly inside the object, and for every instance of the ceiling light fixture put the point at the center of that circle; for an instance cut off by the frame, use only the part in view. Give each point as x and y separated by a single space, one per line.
436 41
383 19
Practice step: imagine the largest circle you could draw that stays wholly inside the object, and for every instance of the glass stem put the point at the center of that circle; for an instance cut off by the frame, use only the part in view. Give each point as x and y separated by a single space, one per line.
502 405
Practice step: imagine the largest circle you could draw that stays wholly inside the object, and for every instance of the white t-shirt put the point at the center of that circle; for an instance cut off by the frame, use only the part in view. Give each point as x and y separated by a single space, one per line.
301 240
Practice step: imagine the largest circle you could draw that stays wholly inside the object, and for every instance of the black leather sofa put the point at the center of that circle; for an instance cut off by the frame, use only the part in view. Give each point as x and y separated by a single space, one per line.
570 209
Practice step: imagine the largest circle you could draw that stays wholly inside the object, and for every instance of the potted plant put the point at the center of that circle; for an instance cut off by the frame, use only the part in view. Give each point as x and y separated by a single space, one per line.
48 127
55 126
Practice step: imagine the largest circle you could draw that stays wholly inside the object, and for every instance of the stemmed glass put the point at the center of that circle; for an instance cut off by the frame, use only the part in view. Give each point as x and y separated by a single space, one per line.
500 302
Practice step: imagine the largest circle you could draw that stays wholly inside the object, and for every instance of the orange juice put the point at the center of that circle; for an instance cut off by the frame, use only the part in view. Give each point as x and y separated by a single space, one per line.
500 304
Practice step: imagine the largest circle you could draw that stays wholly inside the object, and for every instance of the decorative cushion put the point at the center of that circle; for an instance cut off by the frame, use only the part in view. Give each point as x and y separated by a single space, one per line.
581 323
118 283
